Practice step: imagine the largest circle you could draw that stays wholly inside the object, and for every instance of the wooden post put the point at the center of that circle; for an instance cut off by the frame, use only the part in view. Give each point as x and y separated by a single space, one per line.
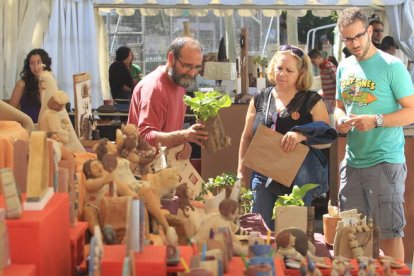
244 55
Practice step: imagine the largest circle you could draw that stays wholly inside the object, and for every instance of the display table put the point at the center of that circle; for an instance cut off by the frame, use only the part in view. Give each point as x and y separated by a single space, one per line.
153 261
42 237
77 244
19 270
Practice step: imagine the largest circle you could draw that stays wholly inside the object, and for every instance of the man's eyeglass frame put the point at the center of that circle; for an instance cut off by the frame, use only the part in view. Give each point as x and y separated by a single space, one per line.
348 40
189 67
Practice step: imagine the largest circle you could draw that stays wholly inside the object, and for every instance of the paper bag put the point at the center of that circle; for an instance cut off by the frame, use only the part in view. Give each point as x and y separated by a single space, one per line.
266 156
303 219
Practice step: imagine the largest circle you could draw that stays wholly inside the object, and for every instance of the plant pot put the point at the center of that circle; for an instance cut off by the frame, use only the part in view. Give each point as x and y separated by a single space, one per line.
217 139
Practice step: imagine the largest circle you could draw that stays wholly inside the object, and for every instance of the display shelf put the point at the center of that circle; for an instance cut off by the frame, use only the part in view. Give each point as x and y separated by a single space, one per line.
41 238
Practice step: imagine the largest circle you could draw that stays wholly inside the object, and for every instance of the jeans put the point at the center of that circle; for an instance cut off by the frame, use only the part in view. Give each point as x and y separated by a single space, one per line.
264 198
313 170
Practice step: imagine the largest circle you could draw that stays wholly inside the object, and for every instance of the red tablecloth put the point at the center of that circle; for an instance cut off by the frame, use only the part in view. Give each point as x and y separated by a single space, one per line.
153 261
42 237
19 270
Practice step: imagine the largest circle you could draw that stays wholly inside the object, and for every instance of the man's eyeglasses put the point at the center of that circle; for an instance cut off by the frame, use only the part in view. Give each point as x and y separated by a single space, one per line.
189 67
355 38
378 30
294 50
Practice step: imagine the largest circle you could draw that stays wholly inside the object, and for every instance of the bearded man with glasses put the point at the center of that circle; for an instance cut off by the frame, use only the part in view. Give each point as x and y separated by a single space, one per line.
157 107
374 100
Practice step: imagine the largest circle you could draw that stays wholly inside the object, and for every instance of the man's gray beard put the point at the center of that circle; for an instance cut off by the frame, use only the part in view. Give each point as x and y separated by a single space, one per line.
180 80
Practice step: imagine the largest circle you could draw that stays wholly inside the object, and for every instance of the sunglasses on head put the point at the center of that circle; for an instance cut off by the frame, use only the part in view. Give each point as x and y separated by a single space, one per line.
294 50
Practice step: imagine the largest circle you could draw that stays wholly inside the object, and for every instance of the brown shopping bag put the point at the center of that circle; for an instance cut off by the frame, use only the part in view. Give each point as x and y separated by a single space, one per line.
266 156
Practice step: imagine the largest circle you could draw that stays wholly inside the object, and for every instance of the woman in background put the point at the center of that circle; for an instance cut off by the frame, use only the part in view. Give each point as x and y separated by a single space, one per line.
120 79
26 94
284 107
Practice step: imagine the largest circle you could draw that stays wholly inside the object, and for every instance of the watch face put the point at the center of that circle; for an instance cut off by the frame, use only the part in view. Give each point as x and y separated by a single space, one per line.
379 120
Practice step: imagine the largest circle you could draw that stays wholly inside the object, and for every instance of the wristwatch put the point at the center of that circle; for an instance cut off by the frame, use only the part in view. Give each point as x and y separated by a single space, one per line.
379 120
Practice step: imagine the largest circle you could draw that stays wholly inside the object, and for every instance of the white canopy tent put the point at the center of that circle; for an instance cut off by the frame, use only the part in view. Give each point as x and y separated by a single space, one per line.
72 30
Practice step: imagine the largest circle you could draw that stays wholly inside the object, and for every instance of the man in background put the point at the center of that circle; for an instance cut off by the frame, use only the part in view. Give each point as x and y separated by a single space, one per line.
327 71
377 30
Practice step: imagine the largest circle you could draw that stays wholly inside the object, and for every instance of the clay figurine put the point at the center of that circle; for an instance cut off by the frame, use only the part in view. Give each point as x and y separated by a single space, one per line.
144 189
50 120
285 242
229 211
97 187
48 88
142 152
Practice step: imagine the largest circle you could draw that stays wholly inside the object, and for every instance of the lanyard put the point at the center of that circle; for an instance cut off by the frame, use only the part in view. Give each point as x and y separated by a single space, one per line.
267 112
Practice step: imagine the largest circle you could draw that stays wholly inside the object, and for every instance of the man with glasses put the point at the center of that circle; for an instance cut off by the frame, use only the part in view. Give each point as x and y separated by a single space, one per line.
375 98
157 107
377 31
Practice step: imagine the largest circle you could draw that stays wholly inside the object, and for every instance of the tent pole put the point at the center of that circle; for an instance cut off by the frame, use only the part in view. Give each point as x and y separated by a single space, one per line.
267 35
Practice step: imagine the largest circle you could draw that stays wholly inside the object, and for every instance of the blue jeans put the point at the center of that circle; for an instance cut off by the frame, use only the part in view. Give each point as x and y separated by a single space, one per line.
264 198
313 170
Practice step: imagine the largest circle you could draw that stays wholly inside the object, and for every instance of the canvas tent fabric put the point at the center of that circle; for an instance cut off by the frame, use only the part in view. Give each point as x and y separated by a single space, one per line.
75 33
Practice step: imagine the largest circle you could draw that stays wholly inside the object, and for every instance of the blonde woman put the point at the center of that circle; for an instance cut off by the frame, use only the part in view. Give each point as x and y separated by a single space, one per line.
283 107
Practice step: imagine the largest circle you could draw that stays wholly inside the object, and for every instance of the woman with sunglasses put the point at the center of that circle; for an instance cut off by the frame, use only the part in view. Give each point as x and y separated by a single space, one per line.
282 107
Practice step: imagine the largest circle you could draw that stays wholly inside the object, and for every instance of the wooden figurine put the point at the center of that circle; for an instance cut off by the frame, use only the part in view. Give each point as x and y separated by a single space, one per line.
20 163
285 242
149 191
135 227
134 148
224 219
12 198
38 169
97 187
48 88
50 120
66 166
186 210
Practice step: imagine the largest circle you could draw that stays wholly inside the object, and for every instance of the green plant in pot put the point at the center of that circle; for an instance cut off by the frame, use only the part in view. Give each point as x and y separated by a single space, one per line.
226 181
262 62
292 206
206 106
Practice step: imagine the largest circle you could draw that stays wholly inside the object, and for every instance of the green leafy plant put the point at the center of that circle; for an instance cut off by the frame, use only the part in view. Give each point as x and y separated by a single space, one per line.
296 196
260 60
206 105
226 181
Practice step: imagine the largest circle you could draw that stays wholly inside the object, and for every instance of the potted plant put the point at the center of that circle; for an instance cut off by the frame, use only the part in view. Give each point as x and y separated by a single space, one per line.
205 106
262 62
226 181
292 206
